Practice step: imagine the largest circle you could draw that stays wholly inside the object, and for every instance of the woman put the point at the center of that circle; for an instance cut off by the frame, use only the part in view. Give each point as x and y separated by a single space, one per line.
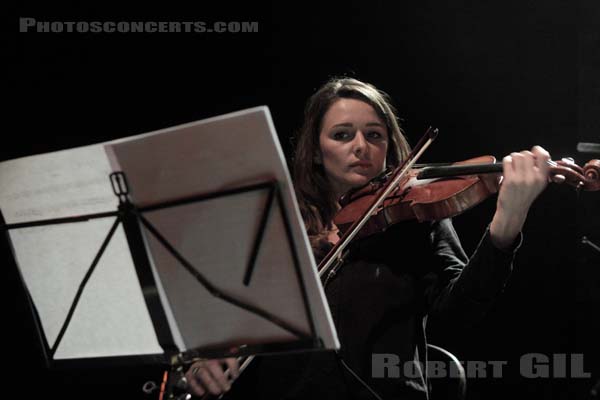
379 300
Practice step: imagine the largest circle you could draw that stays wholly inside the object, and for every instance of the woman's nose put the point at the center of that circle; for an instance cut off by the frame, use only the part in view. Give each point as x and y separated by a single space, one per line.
359 143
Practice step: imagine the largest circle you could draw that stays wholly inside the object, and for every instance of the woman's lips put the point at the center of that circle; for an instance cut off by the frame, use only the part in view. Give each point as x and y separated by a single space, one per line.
363 164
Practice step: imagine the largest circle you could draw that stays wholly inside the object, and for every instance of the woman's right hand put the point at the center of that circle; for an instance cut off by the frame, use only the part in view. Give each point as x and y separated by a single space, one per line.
209 376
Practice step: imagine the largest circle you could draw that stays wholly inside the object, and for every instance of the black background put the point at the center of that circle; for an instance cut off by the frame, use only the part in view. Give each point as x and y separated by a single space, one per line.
494 77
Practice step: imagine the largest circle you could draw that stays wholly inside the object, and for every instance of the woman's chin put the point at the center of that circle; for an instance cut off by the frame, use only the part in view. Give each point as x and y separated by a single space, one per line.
359 181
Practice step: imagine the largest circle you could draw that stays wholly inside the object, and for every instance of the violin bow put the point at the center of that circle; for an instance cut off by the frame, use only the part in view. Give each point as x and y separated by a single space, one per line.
332 262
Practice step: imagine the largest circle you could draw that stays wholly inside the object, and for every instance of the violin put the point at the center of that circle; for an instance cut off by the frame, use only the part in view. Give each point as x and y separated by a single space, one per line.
431 193
445 191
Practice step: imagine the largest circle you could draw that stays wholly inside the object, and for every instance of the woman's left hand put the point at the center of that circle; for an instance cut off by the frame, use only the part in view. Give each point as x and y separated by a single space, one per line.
525 176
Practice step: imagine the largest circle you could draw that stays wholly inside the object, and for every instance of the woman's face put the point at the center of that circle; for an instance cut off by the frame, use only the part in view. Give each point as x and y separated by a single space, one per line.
353 142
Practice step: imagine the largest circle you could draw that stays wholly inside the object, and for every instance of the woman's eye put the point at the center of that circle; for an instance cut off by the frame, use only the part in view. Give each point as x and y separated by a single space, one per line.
340 135
375 135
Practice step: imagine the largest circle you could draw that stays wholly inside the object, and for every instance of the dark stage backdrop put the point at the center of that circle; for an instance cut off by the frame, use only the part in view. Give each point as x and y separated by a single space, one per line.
494 77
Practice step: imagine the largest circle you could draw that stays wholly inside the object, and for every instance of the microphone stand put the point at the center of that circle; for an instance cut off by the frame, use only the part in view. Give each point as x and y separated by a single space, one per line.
593 148
587 241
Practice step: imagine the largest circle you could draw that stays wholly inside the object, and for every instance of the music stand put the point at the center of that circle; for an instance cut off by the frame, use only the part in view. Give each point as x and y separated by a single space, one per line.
264 298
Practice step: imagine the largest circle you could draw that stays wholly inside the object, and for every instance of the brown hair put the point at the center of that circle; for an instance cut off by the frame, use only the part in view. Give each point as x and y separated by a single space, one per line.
316 199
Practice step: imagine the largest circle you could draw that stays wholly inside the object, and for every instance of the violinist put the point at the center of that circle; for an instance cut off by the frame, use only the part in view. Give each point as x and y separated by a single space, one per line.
381 297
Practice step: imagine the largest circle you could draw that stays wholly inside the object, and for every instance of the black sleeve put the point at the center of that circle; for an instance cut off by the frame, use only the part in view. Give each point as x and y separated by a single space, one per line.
463 288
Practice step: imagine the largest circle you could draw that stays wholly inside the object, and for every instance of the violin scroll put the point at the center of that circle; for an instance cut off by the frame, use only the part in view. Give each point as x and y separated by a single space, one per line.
586 178
591 170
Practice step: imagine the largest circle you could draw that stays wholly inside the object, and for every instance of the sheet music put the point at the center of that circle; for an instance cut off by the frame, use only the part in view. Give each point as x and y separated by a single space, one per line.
53 259
205 156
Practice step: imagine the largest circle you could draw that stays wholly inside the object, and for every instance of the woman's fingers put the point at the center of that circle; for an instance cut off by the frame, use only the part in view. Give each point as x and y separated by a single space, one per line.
542 158
208 375
525 175
232 365
194 383
216 371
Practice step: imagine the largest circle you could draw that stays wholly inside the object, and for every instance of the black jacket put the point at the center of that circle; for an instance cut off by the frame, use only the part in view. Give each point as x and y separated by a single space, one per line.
379 301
